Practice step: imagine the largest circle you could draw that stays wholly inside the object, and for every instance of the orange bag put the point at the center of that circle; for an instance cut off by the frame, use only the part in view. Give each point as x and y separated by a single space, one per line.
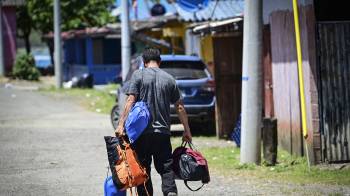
127 172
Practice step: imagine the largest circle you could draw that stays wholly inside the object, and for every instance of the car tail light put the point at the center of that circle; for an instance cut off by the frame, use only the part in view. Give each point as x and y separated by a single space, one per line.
209 86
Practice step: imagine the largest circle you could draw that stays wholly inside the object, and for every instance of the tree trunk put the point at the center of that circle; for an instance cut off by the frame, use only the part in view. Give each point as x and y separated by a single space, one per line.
27 43
50 45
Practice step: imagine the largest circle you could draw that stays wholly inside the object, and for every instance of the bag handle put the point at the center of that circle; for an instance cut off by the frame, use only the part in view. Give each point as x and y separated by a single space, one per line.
197 189
190 144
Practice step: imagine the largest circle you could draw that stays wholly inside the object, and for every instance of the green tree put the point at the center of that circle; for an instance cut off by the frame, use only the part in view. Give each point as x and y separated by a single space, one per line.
24 25
75 14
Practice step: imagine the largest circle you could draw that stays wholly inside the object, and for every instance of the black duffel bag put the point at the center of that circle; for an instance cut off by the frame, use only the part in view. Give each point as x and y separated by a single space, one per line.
190 165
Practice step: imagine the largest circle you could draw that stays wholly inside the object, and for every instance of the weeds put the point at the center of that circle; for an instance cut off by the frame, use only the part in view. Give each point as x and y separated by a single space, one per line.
100 101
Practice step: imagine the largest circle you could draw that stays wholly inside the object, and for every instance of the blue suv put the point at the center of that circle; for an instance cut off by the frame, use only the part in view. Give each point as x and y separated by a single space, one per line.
195 83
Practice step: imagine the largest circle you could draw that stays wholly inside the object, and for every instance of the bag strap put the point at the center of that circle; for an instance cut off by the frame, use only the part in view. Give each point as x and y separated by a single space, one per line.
142 86
155 95
144 186
197 189
190 144
107 172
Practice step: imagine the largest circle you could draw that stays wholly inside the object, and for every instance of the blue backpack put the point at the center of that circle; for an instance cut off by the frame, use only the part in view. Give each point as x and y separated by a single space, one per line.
138 118
110 189
137 121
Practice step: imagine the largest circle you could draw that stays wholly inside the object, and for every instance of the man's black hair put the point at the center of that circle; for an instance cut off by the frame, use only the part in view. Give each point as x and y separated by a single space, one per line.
151 54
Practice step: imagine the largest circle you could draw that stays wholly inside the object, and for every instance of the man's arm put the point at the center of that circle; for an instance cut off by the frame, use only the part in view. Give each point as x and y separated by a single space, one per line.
180 110
129 103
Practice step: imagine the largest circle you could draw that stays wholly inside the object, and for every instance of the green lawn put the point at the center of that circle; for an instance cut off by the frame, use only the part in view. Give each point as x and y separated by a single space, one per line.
100 101
225 160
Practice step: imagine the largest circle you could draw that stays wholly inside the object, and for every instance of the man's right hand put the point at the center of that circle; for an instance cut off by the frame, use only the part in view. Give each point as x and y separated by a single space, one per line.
187 136
119 132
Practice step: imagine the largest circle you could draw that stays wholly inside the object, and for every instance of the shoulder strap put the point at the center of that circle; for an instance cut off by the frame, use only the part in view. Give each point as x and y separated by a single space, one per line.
142 87
155 95
197 189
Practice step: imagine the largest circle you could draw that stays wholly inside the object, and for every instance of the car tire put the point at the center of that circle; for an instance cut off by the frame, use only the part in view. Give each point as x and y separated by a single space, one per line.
195 127
210 127
115 116
203 128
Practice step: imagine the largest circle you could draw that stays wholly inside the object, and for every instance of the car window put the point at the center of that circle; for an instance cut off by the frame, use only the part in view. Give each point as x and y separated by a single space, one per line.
182 70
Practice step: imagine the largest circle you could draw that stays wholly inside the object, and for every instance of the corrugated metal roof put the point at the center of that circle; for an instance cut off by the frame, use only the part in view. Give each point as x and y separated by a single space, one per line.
216 10
12 2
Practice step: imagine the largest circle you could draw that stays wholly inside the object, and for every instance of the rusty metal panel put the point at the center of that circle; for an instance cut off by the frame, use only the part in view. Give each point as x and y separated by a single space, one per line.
334 69
268 90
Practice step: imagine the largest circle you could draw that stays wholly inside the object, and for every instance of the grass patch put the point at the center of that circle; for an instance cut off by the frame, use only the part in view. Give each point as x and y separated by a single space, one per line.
100 101
225 160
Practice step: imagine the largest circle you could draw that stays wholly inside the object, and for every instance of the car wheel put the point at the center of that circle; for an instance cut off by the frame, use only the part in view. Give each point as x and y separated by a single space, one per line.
115 116
196 128
203 128
209 127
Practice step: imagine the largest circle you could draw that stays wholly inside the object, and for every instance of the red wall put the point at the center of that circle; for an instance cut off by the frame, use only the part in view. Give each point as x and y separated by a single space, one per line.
9 36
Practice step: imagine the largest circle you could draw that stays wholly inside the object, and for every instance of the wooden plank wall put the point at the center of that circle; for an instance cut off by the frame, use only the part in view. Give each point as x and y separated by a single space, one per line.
285 77
228 74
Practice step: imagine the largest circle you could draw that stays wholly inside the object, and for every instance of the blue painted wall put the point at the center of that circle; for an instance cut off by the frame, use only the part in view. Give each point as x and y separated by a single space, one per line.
79 54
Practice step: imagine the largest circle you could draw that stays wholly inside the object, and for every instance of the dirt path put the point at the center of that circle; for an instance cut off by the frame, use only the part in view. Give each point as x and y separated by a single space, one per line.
53 147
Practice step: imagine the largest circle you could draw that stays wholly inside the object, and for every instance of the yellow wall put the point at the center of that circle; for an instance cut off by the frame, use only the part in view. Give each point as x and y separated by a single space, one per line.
207 49
174 32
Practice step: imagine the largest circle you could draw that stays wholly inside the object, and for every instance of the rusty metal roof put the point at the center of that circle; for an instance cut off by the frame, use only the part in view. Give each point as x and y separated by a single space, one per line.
87 32
12 2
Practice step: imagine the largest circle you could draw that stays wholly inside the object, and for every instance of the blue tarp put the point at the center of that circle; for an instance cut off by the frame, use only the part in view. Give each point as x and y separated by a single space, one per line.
236 133
192 5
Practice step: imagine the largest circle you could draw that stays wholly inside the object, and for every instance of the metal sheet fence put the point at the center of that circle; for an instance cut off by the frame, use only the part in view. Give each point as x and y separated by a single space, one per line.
334 68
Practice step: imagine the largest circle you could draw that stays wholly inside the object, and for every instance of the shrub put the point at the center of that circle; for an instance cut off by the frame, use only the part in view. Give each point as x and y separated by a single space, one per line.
24 68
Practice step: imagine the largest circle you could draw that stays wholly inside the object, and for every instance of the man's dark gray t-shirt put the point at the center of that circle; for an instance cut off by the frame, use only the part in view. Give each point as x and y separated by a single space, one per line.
159 90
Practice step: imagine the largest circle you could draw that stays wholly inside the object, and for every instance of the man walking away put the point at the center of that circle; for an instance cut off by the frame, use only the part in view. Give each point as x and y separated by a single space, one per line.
159 90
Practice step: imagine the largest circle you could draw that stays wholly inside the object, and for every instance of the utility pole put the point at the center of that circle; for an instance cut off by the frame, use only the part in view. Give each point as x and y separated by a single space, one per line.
57 43
252 83
125 39
2 62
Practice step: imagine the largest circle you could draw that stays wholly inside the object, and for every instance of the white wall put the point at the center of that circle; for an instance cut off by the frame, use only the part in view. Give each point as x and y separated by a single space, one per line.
274 5
192 43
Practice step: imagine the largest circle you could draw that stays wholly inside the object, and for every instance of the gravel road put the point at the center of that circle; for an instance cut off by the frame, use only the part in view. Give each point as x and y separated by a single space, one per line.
51 146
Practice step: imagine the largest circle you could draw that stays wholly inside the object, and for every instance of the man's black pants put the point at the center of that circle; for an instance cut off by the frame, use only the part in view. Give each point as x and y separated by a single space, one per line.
157 145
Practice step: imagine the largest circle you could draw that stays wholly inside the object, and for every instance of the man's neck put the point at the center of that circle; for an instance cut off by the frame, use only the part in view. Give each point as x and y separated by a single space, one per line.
153 64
